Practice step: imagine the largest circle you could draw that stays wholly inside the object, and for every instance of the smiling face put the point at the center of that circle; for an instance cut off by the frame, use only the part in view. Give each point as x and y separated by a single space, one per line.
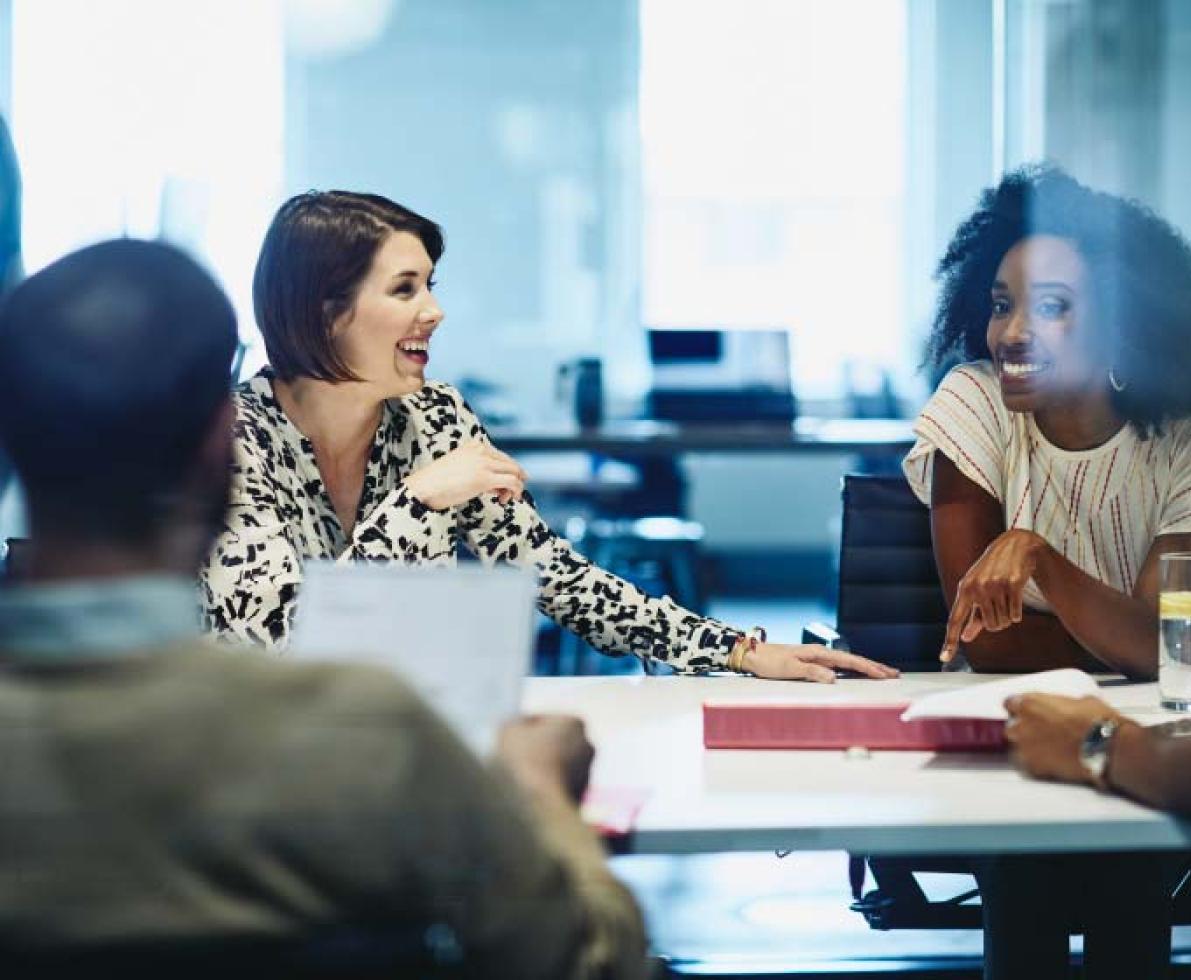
385 337
1041 331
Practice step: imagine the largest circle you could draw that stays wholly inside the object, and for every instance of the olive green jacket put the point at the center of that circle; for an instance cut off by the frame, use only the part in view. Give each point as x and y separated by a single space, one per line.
184 791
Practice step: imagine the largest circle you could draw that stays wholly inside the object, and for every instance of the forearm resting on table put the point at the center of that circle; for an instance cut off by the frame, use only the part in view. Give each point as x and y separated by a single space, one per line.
1038 642
1118 630
1093 626
1151 768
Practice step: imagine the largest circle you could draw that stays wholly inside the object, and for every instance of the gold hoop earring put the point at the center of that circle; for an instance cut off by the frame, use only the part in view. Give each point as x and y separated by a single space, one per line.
1117 386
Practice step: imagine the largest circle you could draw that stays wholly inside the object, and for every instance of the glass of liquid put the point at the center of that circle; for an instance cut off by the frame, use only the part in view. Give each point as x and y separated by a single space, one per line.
1174 637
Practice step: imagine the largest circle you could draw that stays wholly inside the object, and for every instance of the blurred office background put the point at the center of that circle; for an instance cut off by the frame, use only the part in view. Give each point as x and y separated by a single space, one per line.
603 169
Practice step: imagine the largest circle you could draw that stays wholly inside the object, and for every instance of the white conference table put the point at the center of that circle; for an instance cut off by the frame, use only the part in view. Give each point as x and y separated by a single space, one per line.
648 736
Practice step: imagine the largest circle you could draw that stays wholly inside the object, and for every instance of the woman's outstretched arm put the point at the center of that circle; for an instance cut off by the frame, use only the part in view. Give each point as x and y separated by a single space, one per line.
613 615
984 570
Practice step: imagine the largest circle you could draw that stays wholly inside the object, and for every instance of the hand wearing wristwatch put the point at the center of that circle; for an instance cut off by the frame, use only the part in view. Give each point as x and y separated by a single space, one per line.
1093 751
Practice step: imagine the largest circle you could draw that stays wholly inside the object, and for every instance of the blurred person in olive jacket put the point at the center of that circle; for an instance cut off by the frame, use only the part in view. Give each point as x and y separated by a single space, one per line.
157 788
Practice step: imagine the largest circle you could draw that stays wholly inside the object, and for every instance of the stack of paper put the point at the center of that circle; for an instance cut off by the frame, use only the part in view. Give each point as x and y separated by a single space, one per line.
988 700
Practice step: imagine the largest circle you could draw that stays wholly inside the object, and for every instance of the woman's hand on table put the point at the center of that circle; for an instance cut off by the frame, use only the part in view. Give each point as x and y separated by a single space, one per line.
989 596
809 662
476 467
1045 733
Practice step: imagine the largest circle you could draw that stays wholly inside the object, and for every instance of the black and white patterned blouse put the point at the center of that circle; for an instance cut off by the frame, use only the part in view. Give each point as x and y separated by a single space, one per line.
281 515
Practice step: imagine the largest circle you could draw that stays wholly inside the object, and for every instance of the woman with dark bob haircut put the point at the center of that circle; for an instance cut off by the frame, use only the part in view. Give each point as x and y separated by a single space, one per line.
1056 462
345 451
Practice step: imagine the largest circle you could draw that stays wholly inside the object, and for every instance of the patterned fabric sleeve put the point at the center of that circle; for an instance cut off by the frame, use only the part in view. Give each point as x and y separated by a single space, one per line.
403 529
252 573
1175 516
252 576
607 612
967 422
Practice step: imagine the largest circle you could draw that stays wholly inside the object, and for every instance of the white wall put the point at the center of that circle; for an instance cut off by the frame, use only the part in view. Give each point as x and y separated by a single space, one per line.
512 124
1176 116
792 503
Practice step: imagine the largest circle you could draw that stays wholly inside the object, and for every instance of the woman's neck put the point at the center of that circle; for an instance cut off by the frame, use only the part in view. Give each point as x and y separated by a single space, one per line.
336 418
1085 424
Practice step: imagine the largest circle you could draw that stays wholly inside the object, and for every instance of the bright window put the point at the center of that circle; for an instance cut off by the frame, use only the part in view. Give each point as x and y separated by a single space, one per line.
774 141
150 118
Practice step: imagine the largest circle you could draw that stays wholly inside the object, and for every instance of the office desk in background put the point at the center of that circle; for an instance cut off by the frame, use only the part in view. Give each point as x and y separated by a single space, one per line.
643 438
648 736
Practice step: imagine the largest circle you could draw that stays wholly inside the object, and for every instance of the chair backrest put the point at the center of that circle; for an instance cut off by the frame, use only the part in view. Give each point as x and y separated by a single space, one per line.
891 604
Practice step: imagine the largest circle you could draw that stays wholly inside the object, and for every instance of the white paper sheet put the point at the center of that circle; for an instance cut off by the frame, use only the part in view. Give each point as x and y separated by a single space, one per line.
462 637
988 700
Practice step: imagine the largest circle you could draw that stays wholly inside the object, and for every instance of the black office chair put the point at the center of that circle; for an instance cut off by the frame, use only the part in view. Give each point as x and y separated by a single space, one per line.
659 555
891 609
891 605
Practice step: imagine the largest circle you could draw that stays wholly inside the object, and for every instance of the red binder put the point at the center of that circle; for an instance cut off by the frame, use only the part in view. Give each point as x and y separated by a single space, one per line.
843 726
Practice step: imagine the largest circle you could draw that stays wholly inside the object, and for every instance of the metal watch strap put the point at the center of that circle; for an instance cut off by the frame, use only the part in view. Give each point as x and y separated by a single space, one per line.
1093 751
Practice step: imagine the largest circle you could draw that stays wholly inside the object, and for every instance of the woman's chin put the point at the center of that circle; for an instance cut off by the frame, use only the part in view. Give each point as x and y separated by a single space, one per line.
1019 397
1018 403
408 385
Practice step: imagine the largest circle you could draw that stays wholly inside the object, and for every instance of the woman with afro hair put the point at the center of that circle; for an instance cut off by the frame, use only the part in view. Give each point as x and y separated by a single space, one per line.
1056 460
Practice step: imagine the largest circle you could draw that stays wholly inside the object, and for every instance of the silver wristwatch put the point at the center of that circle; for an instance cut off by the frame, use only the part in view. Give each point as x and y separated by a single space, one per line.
1093 751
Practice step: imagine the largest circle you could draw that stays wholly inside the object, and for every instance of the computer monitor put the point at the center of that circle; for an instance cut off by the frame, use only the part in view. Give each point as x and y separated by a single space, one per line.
720 375
685 346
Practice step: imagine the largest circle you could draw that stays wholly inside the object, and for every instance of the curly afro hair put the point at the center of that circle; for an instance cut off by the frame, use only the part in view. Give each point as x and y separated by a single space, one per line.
1139 269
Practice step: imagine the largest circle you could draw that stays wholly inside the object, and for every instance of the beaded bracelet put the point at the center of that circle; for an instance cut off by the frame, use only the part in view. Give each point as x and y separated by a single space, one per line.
746 644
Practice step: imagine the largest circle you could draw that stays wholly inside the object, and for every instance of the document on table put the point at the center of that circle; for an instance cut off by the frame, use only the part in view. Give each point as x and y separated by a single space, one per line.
988 700
462 637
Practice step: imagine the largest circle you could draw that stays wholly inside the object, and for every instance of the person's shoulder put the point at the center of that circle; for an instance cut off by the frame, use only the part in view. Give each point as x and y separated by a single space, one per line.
436 395
256 423
971 389
308 731
1174 440
970 375
443 409
302 688
252 395
1177 431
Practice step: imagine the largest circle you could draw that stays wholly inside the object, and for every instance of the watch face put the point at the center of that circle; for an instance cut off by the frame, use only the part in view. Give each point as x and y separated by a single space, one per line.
1093 753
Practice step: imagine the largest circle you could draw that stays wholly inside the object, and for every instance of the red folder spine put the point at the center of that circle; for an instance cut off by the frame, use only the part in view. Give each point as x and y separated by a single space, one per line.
842 726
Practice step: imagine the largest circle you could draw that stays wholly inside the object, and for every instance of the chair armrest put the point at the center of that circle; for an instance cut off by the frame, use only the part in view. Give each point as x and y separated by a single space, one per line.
824 635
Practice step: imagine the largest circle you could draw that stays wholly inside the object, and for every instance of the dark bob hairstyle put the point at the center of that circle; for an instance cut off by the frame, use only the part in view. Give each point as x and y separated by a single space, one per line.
1139 275
316 253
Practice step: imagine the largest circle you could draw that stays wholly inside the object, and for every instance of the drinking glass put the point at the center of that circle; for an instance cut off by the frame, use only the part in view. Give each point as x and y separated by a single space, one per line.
1174 637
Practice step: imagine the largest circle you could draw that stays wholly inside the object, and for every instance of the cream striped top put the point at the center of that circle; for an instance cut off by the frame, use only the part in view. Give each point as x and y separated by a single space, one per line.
1101 508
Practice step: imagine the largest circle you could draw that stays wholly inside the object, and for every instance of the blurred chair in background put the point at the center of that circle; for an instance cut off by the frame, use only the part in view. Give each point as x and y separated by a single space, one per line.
891 605
659 555
891 608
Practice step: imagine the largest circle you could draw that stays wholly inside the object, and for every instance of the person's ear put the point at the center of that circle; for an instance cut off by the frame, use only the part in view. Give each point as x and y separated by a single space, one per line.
337 315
